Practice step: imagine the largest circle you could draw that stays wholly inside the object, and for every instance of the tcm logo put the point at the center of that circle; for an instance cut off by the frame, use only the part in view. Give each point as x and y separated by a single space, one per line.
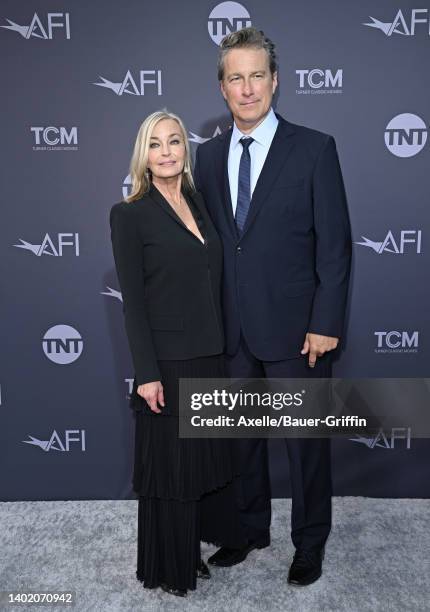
401 24
46 30
405 135
48 138
225 18
50 246
73 439
317 81
62 344
407 241
397 342
382 440
200 139
112 293
134 87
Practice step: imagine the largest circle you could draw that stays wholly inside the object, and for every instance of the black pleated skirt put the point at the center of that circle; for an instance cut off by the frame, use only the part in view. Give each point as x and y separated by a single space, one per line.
186 487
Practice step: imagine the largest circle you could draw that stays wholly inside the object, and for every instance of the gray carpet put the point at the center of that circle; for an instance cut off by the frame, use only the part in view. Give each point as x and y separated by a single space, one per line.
377 558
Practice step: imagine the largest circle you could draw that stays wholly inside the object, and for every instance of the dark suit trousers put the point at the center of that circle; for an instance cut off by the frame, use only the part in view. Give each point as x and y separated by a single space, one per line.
309 458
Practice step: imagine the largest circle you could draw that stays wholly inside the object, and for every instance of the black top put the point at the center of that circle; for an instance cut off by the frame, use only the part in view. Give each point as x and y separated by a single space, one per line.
170 281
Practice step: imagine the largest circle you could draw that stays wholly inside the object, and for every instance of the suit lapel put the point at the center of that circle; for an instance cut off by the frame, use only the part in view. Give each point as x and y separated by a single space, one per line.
198 202
156 196
222 162
159 199
281 147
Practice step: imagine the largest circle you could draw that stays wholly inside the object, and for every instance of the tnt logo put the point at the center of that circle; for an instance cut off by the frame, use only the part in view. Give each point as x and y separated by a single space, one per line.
386 440
134 86
71 436
407 240
405 135
225 18
52 246
317 80
397 342
62 344
400 25
126 186
38 29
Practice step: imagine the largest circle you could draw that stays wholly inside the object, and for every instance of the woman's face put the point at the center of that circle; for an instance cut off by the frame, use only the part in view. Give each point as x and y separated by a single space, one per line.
166 156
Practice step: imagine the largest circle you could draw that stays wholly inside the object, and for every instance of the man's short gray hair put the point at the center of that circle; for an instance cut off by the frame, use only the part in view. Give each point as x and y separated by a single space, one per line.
247 38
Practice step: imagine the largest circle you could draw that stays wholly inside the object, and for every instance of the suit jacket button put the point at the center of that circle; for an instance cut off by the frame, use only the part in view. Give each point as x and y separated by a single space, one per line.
239 250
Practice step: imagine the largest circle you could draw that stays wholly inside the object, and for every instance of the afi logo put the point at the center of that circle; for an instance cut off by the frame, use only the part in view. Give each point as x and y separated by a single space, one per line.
112 293
406 239
134 87
200 139
317 79
36 29
55 442
398 342
62 344
405 135
399 25
47 246
386 441
52 135
225 18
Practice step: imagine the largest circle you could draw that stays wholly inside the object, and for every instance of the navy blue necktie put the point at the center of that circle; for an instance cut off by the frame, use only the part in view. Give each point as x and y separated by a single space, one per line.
244 184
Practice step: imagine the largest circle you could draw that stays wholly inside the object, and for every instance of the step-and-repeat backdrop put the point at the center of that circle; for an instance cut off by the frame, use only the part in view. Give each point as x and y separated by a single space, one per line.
78 78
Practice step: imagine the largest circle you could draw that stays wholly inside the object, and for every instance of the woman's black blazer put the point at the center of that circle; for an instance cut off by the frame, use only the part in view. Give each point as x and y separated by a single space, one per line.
170 282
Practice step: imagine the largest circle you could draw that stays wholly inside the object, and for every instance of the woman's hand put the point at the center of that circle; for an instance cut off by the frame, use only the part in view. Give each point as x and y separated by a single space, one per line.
152 393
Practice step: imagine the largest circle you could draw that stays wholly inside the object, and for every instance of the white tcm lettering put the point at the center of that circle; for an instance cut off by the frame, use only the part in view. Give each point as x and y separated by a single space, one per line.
317 78
405 135
52 135
62 344
36 29
225 18
395 339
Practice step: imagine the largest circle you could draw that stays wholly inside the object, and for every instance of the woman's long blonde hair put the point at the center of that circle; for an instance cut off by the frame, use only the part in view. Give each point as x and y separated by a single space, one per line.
139 171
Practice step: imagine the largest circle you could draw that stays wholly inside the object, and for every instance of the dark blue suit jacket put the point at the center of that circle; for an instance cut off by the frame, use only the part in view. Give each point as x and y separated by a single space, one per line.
288 274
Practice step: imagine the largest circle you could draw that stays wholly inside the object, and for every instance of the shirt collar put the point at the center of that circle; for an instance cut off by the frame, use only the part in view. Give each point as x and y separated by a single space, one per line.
263 133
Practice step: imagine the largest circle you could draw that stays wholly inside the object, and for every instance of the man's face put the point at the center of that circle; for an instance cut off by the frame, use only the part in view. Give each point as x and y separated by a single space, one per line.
248 86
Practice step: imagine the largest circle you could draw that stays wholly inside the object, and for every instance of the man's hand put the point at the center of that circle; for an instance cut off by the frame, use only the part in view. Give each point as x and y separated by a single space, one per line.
316 345
152 393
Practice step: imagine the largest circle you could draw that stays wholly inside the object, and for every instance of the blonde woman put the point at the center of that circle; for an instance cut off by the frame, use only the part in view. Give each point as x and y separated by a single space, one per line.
168 259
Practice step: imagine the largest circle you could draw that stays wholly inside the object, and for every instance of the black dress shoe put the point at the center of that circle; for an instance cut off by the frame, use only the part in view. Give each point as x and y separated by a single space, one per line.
173 591
306 567
226 557
203 571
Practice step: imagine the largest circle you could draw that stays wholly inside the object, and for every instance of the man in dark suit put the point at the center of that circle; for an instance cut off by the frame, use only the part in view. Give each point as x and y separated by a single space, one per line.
275 193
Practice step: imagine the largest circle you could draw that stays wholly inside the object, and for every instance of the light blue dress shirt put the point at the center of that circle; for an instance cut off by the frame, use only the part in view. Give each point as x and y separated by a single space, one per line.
263 136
